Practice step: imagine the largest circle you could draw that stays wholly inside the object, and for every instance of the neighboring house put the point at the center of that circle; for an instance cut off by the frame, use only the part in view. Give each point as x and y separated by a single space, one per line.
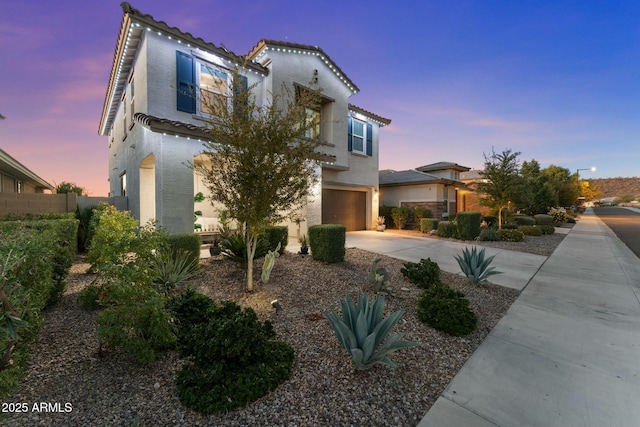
155 129
468 198
17 178
434 186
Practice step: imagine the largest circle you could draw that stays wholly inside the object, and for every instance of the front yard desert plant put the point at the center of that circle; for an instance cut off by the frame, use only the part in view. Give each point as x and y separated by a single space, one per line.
468 225
261 159
447 229
378 276
327 242
232 357
173 268
422 274
447 310
400 216
489 235
511 235
475 266
362 331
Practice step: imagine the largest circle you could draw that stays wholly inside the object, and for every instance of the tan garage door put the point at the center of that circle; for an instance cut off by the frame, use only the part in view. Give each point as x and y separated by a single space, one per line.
345 207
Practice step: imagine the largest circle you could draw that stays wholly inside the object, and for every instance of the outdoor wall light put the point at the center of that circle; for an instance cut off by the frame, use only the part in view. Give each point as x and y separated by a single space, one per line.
275 304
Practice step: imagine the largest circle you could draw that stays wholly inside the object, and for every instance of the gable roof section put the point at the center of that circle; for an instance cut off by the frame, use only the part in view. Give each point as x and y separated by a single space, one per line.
391 178
442 166
376 118
134 24
264 45
12 167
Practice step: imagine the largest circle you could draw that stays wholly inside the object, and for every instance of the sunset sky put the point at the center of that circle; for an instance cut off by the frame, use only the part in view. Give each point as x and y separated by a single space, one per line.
558 81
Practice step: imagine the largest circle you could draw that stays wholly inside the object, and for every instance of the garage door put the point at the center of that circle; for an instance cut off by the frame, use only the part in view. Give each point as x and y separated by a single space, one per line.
348 208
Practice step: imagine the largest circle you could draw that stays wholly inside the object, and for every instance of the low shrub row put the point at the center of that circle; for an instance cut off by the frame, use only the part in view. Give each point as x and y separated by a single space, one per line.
35 256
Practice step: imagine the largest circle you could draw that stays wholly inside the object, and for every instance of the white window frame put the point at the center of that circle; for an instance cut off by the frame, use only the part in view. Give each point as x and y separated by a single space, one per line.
354 136
200 108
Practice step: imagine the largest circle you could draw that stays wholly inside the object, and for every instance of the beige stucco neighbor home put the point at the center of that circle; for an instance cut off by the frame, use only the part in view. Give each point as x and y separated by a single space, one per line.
155 129
17 178
434 186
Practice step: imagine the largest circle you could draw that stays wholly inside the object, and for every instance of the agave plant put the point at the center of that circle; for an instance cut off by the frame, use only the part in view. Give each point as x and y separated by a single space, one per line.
361 330
474 265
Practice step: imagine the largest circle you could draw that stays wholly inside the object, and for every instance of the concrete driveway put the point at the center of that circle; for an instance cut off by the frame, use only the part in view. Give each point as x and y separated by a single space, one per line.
517 267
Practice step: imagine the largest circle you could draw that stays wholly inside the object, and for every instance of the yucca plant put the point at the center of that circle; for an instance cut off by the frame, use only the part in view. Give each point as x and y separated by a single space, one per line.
361 331
475 266
173 268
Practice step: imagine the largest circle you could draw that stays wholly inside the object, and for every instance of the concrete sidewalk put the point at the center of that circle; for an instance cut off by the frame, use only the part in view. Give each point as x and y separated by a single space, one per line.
517 267
567 353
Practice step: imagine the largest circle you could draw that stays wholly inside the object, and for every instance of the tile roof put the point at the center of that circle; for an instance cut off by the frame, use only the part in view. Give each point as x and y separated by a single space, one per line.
407 177
381 120
12 167
263 44
442 166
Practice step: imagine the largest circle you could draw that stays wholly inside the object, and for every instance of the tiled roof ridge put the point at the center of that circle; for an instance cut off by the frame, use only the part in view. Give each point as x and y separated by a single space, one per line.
263 42
127 8
374 116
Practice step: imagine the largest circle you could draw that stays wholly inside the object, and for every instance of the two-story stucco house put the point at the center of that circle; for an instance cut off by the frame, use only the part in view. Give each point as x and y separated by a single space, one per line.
155 128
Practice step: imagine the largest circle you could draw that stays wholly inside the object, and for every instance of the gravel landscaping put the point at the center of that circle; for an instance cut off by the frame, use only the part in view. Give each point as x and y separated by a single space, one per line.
112 390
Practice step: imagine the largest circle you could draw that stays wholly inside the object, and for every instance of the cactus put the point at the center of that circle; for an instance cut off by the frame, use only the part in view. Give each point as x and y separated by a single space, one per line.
269 263
377 276
362 330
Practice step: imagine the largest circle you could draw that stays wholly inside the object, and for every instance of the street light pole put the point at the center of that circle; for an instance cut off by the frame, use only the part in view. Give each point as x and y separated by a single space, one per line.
592 169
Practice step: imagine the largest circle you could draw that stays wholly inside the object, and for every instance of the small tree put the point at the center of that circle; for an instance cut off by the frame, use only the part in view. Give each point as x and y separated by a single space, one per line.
502 180
262 157
70 187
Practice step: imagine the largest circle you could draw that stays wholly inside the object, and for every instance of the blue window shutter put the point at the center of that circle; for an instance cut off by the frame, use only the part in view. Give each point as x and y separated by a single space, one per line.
185 82
369 139
349 135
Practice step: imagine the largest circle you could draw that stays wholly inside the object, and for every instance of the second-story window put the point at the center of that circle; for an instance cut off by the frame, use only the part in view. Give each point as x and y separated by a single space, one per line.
214 90
358 136
313 121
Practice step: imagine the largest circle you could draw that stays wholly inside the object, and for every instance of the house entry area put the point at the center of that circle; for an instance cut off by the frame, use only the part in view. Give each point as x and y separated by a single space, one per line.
147 189
348 208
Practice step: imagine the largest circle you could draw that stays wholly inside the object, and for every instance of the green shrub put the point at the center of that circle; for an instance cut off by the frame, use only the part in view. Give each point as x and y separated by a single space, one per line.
235 248
233 358
510 226
475 266
113 238
571 212
137 322
362 331
327 242
559 216
188 243
422 274
547 229
400 216
571 220
419 214
26 280
543 219
85 233
277 235
428 224
62 246
385 211
530 230
489 235
523 220
447 310
447 229
508 235
468 225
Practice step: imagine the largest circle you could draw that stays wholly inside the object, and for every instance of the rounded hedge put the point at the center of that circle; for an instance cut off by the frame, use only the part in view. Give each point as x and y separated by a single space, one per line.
447 310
